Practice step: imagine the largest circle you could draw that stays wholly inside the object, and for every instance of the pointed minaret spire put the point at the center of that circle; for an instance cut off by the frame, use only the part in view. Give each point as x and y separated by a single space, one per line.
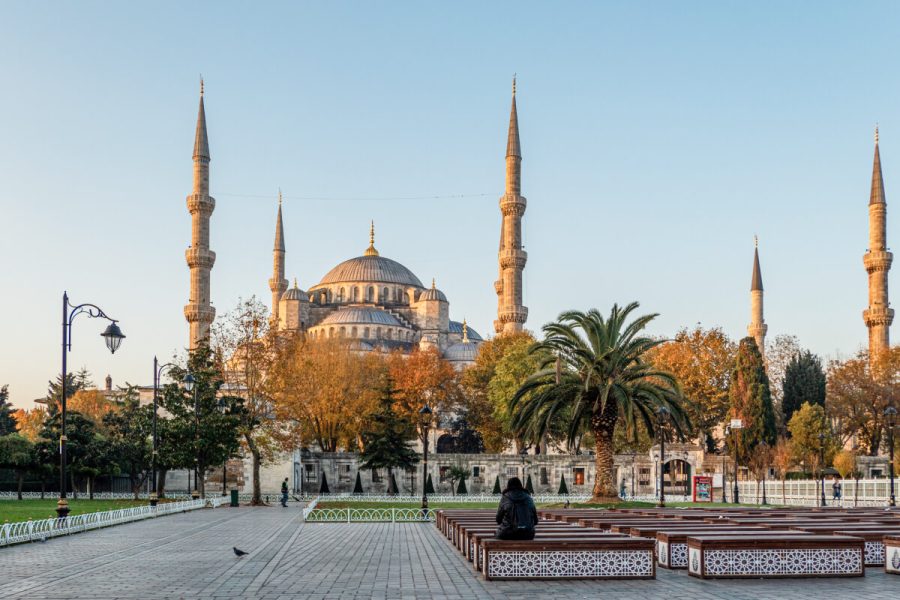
511 313
879 315
199 312
757 328
371 251
278 284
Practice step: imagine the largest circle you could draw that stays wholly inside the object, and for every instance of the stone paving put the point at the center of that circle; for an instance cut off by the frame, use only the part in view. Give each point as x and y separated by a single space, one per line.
189 556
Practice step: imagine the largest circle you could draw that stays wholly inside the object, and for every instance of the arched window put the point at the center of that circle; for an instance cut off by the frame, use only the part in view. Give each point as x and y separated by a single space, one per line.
343 332
354 294
341 295
385 295
389 333
353 331
331 332
366 333
378 333
370 294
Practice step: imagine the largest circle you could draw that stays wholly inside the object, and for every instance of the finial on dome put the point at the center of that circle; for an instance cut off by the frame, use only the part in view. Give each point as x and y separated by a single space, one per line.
465 332
371 251
295 283
432 283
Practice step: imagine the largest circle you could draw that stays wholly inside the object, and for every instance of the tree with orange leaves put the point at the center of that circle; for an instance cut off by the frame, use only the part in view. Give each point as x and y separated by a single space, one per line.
424 377
30 422
93 404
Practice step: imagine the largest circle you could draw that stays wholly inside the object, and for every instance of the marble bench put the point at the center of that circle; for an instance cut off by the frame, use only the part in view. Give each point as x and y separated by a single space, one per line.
891 554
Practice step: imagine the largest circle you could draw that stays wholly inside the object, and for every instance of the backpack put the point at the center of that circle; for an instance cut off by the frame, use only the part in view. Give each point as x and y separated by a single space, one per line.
520 516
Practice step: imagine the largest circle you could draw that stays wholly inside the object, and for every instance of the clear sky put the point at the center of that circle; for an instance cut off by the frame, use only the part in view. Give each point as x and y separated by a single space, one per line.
658 138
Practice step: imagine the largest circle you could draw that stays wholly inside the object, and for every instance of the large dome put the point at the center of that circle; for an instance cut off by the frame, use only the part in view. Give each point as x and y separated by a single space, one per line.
375 269
361 315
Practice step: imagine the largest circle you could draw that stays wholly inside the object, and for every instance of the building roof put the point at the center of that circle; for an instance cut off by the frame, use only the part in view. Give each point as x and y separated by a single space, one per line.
756 280
462 352
433 294
372 268
457 328
295 293
361 315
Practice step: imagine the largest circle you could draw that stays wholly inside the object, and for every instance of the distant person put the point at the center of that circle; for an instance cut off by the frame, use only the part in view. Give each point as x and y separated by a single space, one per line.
284 492
836 489
516 516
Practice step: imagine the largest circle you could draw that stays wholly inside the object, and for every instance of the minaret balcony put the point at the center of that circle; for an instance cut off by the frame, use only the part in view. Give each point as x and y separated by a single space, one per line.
512 205
196 313
201 203
513 259
878 260
200 258
878 315
514 314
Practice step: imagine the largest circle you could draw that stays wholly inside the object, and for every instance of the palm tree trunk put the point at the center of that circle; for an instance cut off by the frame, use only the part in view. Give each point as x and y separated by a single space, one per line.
603 426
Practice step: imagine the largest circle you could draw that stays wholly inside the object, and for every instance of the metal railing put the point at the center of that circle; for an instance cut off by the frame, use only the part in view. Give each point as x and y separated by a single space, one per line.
242 496
28 531
369 515
464 498
807 492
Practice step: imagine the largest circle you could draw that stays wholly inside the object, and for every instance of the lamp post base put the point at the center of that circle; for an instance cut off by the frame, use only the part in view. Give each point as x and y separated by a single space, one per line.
153 499
195 495
62 508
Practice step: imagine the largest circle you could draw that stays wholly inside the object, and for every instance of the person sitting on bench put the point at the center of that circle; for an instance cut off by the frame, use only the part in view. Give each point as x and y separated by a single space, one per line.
516 515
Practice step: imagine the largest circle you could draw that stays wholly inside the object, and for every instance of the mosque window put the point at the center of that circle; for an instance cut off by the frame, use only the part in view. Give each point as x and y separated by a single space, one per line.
370 294
354 295
341 295
331 332
378 333
389 332
385 295
343 332
366 333
353 332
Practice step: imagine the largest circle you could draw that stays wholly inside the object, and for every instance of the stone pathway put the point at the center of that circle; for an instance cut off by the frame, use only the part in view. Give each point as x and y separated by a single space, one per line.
189 556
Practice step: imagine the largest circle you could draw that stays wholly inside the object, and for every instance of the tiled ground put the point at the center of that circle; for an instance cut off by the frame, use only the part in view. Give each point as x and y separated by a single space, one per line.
189 556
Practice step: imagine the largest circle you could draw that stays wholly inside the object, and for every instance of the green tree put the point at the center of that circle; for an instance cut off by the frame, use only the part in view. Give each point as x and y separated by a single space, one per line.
7 422
357 487
750 402
81 434
602 378
386 440
804 381
461 489
563 488
497 489
458 473
429 486
810 436
19 455
529 487
130 430
323 488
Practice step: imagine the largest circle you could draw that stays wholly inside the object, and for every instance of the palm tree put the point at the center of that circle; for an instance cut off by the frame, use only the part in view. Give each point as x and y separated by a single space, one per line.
596 375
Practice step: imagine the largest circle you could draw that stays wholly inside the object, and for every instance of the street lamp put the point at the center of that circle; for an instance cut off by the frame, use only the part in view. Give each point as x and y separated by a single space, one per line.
190 384
157 376
113 337
735 496
764 457
662 413
724 464
425 414
890 419
822 466
223 408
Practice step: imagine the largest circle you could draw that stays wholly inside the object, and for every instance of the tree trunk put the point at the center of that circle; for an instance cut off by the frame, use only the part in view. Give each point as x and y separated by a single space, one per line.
256 500
603 426
201 480
855 491
43 488
161 483
90 483
20 476
783 492
74 489
136 487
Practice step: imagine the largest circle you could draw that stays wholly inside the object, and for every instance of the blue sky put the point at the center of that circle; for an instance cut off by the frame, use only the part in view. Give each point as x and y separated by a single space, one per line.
658 138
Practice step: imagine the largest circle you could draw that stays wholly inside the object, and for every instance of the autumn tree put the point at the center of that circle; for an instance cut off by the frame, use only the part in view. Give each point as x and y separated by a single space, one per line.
750 401
804 381
811 436
92 404
424 377
701 360
321 389
30 422
476 379
859 390
7 422
782 462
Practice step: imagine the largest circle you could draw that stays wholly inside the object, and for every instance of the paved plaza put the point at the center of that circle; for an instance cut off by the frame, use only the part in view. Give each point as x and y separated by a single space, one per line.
189 556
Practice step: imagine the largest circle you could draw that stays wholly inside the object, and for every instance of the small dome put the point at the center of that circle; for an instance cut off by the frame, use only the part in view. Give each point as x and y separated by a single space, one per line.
457 328
295 293
433 294
462 352
361 315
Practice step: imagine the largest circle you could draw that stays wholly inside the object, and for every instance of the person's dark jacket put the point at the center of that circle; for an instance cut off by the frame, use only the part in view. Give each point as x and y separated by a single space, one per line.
516 516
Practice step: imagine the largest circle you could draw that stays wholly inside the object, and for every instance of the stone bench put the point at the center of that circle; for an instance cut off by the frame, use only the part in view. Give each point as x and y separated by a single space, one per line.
891 554
872 535
613 558
466 543
768 556
672 548
476 550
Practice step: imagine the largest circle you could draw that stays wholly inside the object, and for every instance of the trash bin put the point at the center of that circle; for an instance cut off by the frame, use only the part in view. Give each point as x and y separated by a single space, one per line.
234 497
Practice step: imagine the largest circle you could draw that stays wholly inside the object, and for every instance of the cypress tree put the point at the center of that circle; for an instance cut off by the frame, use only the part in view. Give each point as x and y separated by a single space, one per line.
392 484
804 382
461 488
386 440
7 422
563 488
323 488
497 489
751 401
528 486
429 487
358 488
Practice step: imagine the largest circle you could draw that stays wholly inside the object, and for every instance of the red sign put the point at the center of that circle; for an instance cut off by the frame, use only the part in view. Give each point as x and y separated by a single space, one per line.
702 488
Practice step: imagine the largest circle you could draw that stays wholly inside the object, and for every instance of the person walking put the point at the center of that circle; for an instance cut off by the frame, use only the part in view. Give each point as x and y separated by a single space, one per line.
516 515
836 489
284 492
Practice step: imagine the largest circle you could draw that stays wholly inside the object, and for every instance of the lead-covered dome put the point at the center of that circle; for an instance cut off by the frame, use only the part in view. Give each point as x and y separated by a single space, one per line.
375 269
463 352
361 315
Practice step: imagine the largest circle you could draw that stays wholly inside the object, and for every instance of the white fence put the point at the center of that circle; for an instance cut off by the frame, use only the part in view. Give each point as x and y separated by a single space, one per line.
28 531
432 498
807 492
242 496
369 515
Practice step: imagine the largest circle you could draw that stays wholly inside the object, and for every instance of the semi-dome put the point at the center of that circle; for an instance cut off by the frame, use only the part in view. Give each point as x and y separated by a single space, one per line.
361 315
462 352
457 328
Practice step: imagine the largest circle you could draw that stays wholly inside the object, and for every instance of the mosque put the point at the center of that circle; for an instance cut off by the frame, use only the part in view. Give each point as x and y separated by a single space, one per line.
376 302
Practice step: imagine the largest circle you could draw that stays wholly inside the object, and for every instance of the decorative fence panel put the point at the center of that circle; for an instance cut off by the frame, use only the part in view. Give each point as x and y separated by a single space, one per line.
369 515
808 492
27 531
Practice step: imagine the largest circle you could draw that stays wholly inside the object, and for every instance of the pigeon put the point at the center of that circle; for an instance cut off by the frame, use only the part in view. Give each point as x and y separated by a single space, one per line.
238 552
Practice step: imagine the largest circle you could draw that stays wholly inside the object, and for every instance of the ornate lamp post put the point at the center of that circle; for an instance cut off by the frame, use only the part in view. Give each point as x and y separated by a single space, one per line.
190 384
890 420
736 425
113 336
765 456
662 414
157 376
822 466
724 464
425 414
633 455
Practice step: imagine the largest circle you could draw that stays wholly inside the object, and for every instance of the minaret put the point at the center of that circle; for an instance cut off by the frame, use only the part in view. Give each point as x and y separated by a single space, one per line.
757 328
511 314
200 259
278 284
877 259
